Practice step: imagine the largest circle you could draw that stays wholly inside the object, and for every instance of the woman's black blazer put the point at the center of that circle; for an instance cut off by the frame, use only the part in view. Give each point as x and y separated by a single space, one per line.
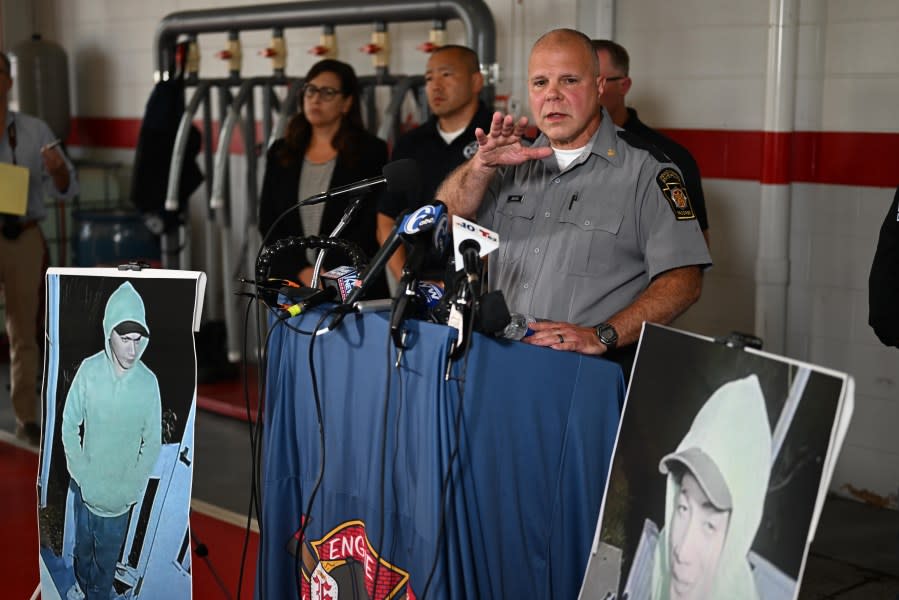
279 192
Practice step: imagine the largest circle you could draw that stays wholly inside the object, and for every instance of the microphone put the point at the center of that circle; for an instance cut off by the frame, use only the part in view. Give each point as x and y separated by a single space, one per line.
469 249
470 243
401 176
428 295
342 280
493 313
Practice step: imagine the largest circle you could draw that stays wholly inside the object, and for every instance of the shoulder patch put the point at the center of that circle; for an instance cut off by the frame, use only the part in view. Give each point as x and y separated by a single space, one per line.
638 142
672 186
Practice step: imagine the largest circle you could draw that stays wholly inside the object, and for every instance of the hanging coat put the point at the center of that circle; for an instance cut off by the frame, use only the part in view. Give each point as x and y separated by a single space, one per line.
155 143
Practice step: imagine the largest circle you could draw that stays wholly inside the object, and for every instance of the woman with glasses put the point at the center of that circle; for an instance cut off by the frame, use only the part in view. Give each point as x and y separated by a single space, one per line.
325 145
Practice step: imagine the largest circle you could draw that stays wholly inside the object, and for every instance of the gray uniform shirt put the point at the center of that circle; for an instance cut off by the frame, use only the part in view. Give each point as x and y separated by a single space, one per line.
31 134
582 244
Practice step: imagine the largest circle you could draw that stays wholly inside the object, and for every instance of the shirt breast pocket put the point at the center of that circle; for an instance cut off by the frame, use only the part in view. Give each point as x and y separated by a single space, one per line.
590 236
515 226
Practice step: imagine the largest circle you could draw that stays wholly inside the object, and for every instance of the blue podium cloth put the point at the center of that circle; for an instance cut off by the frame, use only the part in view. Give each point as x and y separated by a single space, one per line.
533 448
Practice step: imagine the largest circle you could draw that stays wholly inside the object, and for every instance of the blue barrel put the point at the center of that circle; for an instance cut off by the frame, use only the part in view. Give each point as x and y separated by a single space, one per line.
110 238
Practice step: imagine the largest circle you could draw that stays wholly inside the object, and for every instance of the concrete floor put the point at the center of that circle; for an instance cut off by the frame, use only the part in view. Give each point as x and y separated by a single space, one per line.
855 554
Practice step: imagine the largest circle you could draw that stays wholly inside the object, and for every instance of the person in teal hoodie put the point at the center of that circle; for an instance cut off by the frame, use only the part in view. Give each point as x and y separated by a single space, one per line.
111 433
715 495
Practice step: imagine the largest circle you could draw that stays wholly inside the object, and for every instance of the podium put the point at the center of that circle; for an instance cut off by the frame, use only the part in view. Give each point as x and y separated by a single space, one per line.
528 433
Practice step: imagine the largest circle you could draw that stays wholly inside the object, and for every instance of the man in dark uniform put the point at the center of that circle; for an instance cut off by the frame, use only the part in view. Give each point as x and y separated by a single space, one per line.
614 65
883 283
453 81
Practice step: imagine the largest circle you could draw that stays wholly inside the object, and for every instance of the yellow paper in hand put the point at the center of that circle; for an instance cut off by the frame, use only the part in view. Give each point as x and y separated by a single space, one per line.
13 189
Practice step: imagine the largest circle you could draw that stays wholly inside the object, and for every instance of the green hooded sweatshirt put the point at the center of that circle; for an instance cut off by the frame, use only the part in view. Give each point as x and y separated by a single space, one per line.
732 429
121 416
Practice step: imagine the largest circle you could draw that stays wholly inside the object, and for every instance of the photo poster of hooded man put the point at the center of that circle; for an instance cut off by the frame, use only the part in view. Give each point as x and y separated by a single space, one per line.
117 453
722 462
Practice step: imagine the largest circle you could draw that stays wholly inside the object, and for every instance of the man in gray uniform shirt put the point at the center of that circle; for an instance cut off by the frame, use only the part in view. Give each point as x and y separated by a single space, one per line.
596 234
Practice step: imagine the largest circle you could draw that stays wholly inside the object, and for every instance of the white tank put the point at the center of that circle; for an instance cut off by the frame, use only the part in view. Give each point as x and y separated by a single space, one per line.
40 72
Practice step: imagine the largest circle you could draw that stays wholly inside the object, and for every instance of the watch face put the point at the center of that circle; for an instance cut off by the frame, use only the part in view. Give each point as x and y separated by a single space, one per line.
607 334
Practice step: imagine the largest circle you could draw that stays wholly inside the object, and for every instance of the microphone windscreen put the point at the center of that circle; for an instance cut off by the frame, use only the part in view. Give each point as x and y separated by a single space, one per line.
429 293
402 176
493 313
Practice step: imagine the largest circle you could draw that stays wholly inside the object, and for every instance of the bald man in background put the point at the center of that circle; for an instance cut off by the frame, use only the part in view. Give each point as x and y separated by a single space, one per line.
614 66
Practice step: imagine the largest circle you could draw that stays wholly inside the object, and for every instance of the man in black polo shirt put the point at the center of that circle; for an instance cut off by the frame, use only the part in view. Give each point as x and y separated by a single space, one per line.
614 65
452 81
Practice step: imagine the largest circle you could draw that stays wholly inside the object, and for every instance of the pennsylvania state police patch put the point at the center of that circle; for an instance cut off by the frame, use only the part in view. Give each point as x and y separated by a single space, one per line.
672 186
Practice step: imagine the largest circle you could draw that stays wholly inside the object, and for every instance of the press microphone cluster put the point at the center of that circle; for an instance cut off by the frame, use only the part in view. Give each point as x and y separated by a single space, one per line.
401 176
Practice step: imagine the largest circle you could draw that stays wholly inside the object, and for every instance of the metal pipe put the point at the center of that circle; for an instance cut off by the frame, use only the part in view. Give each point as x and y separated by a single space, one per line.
218 200
389 127
213 304
227 129
480 28
288 108
171 196
270 103
249 142
772 264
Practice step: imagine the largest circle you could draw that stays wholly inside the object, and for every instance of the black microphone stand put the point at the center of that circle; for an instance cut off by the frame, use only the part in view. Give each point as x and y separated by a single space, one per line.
406 296
465 305
341 225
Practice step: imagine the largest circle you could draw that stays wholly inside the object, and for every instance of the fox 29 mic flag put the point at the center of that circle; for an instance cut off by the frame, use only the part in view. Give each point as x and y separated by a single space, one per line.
463 229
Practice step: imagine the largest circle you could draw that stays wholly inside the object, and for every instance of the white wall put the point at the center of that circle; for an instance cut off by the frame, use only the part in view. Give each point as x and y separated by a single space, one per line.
697 65
16 22
702 66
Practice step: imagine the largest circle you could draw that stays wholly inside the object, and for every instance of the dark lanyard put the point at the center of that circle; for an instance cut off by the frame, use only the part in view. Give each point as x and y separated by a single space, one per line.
11 132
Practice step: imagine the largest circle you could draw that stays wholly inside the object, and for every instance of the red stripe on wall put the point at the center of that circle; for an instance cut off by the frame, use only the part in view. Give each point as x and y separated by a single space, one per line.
830 157
846 158
721 153
101 132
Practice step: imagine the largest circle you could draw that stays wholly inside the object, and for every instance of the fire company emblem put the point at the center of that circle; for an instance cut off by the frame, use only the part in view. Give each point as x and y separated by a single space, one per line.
343 565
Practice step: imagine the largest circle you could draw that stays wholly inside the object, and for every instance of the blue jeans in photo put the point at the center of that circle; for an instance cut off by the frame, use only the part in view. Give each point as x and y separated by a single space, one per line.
98 543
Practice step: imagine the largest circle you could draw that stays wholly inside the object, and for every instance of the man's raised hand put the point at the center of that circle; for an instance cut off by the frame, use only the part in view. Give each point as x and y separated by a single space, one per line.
502 144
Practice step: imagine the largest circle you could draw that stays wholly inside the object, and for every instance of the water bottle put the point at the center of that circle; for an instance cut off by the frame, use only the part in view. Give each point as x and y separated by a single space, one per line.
519 327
